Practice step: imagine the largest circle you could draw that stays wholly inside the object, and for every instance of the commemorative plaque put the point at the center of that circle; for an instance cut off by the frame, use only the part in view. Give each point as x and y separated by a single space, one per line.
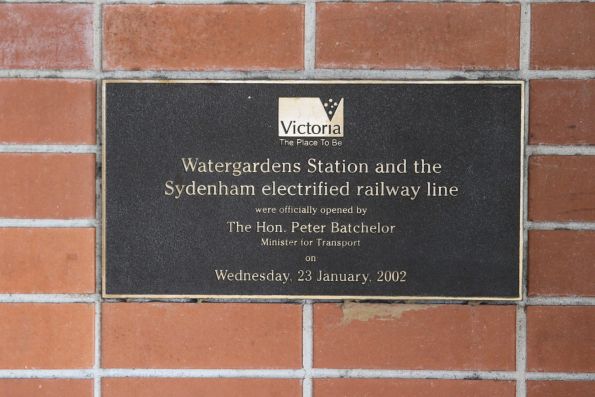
312 189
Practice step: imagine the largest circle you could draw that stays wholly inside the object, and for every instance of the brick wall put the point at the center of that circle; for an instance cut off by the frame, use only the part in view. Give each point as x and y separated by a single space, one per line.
59 338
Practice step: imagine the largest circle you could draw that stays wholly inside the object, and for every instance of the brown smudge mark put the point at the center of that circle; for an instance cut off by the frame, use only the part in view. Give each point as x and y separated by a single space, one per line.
367 311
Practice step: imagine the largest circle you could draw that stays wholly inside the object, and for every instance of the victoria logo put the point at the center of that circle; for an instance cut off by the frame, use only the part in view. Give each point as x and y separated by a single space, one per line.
314 117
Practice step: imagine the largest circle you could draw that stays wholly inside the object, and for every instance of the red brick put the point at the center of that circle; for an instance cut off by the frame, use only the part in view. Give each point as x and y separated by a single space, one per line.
204 37
47 185
46 387
560 389
161 335
562 36
398 336
46 36
417 36
562 188
561 339
562 112
412 388
561 263
46 336
47 261
171 387
47 111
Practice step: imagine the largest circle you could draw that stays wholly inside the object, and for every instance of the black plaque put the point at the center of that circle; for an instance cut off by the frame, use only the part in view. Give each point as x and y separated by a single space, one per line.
312 189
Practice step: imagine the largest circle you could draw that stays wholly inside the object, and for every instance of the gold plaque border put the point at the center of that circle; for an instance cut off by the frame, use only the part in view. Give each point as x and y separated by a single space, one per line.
104 83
